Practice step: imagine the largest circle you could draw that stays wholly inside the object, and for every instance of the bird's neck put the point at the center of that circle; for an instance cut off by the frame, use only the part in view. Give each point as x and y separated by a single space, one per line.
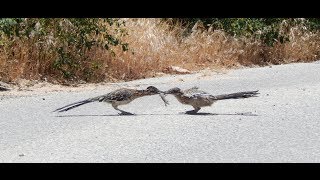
141 93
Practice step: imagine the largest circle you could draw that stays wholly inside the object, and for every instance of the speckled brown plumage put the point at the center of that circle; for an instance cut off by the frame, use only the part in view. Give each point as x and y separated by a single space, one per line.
115 98
198 98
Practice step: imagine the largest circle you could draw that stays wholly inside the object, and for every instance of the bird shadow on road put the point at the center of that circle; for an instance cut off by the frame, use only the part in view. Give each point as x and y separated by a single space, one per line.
224 114
197 114
101 115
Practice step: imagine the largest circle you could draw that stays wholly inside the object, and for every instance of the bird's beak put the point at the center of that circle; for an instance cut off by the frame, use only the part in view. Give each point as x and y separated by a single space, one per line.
166 92
153 93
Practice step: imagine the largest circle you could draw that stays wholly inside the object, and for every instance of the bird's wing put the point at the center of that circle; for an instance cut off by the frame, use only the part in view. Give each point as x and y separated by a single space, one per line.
195 93
118 95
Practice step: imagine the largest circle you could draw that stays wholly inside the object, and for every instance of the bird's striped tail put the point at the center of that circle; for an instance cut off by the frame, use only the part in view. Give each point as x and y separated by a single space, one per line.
77 104
238 95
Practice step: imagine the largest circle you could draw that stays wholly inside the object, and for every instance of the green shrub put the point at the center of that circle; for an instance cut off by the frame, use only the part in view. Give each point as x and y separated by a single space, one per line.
268 30
69 38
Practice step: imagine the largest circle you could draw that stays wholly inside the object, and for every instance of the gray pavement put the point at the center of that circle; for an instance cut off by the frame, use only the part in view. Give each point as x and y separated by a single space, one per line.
281 125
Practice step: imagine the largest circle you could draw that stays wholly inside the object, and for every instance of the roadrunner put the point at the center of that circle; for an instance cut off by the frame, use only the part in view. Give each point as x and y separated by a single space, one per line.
198 98
118 97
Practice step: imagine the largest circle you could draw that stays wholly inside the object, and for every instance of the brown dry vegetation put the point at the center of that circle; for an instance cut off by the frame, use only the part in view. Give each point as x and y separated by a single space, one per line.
154 46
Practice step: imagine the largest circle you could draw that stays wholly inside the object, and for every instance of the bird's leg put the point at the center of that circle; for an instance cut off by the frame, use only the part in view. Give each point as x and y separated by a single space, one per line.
122 112
196 109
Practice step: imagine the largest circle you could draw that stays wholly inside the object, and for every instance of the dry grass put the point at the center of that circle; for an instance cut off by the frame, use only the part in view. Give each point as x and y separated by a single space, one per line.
158 47
23 60
154 47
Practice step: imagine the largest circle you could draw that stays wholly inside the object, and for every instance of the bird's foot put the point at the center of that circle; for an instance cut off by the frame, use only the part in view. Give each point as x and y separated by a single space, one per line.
124 113
191 112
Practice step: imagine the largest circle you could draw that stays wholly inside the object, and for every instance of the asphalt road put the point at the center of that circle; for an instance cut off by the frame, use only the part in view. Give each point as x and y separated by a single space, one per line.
281 125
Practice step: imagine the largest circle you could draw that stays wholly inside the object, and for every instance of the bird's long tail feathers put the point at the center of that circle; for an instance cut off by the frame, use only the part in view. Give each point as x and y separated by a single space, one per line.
76 104
238 95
